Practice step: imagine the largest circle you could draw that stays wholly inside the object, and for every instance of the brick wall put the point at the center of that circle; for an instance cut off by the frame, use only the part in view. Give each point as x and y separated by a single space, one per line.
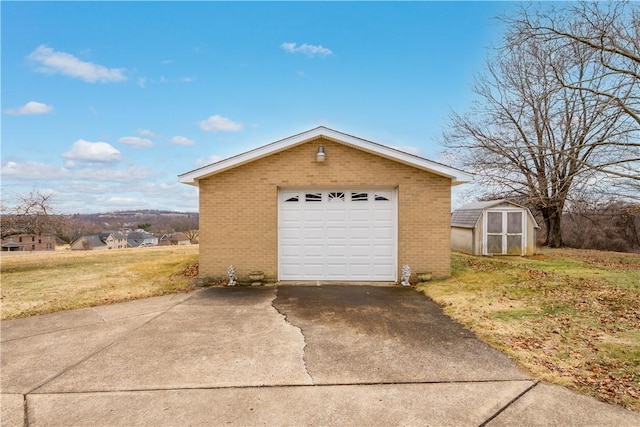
31 242
239 207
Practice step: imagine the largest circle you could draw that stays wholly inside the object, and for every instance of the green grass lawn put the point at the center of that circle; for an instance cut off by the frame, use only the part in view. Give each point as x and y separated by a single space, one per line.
570 317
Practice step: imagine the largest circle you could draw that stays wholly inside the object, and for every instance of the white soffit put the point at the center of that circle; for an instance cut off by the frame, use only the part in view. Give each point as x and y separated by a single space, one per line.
457 176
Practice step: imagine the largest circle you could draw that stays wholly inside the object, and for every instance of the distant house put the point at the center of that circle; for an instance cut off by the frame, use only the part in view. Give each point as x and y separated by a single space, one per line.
141 239
103 240
175 239
21 242
496 227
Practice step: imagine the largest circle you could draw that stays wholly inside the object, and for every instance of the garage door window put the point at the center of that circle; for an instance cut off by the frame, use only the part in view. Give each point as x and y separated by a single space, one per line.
359 197
336 197
290 197
382 196
313 197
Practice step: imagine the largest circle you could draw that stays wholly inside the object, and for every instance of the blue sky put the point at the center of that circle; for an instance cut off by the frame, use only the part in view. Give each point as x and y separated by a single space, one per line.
105 103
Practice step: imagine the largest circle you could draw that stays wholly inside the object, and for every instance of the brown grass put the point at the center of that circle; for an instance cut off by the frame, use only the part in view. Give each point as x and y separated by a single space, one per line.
45 282
570 317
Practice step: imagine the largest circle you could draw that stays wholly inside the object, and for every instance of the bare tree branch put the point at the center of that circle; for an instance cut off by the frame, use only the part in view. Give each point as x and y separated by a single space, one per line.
533 135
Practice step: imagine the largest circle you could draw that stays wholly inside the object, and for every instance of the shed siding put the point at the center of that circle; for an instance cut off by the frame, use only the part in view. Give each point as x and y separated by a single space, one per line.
238 207
462 240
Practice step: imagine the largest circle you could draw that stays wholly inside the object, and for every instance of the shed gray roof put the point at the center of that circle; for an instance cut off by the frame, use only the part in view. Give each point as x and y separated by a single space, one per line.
468 215
465 218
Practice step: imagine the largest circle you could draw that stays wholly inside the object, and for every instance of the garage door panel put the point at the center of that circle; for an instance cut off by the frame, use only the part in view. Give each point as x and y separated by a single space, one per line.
382 213
383 270
337 235
336 270
382 252
337 251
337 232
290 252
311 251
358 232
313 232
290 217
359 217
360 271
382 232
360 250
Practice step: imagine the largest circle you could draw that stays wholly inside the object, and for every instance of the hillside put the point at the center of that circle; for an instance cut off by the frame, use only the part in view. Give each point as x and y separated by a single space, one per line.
155 221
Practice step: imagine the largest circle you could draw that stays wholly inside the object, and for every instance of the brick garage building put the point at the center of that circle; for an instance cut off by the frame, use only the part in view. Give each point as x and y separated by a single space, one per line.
325 206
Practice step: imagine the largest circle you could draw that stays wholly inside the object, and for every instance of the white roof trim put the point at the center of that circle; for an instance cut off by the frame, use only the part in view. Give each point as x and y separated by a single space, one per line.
457 176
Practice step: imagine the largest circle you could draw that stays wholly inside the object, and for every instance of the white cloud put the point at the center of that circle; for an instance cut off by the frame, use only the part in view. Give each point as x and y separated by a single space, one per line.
88 151
131 201
130 174
142 82
181 140
220 124
33 170
147 132
136 141
64 63
306 49
31 107
187 80
204 161
95 187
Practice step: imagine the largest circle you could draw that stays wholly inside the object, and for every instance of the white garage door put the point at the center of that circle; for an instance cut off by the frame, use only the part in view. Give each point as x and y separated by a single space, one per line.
337 234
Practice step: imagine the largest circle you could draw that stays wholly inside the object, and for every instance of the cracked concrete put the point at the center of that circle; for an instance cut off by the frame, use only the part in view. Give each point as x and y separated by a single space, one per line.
304 347
365 334
282 355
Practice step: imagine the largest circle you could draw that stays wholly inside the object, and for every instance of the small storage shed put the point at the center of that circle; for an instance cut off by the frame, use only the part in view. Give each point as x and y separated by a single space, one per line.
496 227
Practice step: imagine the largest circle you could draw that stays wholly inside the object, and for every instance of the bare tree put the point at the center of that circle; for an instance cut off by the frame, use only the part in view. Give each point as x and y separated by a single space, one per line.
33 213
529 136
610 31
193 235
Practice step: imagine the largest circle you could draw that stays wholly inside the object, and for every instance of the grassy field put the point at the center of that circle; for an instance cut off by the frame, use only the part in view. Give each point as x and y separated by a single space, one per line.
570 317
45 282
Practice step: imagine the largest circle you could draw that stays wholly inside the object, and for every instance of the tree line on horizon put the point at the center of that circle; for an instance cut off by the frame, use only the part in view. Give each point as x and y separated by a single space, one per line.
35 213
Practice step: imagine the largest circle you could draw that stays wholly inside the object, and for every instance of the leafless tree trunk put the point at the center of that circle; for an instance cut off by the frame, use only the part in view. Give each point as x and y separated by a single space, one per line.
530 136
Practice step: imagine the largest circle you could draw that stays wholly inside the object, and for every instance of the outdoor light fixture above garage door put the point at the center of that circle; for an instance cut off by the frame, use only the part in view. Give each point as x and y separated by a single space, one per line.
320 154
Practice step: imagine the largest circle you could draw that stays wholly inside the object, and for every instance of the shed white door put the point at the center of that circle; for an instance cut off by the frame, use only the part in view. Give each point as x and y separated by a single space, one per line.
505 232
337 234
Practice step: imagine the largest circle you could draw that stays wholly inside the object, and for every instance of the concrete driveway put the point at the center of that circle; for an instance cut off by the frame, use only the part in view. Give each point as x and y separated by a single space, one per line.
286 355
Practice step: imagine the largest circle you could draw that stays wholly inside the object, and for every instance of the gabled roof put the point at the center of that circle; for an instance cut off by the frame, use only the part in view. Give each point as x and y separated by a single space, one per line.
93 240
457 176
104 235
468 215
